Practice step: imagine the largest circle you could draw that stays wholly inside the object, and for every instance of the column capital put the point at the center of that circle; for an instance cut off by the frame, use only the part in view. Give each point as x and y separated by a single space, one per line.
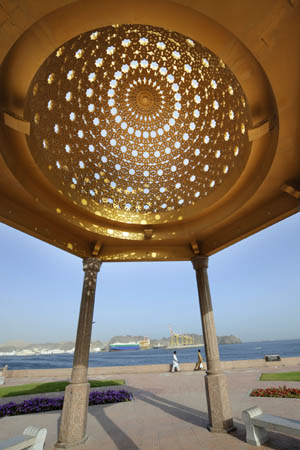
91 264
200 262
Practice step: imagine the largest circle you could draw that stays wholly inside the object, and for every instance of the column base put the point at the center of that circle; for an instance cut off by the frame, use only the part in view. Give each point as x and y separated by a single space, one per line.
69 445
221 430
219 410
72 430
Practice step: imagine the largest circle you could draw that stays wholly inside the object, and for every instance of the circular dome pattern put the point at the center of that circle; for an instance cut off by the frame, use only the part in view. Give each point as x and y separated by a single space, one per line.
135 119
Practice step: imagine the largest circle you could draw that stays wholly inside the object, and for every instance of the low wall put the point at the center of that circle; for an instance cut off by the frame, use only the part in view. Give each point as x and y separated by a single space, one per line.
98 371
253 363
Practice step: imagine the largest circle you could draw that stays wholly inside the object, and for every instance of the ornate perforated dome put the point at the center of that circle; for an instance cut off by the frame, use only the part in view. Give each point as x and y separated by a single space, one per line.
138 124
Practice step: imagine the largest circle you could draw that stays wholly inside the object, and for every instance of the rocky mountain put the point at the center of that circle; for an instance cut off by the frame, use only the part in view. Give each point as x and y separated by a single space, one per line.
15 344
229 340
162 341
48 347
127 338
197 339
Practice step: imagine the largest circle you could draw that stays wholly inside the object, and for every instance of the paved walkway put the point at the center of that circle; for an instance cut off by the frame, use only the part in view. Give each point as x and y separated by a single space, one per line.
169 413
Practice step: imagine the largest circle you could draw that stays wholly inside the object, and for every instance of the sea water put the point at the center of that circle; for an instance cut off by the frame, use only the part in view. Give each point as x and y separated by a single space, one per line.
229 352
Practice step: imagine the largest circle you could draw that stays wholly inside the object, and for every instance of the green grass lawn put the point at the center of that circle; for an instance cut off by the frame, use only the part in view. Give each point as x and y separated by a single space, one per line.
55 386
282 376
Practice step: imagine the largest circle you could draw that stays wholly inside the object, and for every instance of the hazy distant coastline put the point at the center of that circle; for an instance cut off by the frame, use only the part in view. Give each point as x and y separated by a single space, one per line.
20 348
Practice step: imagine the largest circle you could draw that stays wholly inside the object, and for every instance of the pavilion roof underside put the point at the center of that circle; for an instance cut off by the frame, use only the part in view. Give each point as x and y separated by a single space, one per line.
134 135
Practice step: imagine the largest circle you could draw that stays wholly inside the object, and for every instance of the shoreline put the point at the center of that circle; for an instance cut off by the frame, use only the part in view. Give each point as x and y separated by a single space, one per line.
55 353
151 368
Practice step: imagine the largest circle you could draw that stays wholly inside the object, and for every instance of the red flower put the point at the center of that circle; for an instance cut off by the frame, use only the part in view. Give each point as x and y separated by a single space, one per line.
282 392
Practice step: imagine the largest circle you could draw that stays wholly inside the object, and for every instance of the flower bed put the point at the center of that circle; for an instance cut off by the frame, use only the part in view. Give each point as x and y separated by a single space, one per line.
42 404
281 392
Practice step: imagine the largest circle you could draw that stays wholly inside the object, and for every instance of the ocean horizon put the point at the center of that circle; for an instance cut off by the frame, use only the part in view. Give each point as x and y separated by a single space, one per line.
228 352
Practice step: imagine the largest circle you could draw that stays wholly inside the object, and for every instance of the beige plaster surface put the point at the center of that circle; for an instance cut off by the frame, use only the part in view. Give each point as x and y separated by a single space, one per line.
169 412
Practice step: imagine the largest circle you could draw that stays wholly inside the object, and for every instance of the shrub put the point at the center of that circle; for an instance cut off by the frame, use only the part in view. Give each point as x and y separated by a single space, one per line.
42 404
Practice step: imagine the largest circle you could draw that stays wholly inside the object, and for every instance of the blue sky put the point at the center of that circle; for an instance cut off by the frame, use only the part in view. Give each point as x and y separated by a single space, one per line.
254 286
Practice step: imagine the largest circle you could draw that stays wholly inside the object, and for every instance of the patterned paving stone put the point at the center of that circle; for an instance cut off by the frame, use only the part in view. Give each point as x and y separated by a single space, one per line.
168 412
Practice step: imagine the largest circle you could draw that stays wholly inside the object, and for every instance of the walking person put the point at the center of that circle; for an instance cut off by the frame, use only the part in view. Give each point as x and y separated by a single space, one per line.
199 363
175 365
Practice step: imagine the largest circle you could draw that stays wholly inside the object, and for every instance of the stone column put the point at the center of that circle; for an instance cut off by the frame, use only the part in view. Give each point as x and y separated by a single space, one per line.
219 410
72 429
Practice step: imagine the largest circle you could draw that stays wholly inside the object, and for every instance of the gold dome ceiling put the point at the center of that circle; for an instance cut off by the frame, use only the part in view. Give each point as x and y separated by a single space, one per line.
136 123
202 168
